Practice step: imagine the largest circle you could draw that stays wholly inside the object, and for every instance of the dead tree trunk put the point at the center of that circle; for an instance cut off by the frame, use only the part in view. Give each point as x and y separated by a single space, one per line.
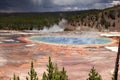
117 63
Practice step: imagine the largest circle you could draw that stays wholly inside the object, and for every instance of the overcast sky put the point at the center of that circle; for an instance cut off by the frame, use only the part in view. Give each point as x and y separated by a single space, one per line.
53 5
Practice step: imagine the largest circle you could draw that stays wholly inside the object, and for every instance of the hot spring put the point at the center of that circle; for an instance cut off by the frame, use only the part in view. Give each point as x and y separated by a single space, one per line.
70 40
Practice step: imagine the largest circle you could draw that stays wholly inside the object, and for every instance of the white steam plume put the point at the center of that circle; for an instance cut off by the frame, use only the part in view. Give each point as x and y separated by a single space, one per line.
56 28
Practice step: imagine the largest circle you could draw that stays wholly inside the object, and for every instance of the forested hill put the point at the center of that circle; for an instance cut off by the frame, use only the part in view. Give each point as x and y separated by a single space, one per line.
106 19
101 19
28 21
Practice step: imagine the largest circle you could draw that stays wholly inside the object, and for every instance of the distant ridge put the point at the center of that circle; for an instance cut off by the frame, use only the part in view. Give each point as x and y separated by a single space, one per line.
101 19
108 18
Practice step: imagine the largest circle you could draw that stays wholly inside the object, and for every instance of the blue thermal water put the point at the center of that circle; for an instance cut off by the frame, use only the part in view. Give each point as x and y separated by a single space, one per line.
70 40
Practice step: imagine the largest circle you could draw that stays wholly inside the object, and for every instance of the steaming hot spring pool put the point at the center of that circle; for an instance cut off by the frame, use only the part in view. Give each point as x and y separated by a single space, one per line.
70 40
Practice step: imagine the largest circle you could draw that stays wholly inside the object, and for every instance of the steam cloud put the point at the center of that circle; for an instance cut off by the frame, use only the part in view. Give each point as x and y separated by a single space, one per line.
55 28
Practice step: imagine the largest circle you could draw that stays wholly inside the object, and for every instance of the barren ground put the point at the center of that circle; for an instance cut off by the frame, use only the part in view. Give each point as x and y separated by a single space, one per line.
16 57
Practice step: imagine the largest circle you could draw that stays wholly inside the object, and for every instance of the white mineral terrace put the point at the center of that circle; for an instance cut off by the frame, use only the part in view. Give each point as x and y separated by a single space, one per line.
113 48
111 34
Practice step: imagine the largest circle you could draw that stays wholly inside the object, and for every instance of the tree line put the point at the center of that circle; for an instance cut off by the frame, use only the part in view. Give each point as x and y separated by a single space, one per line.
53 73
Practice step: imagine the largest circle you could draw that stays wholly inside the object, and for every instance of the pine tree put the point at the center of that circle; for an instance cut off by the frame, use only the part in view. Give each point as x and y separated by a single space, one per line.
113 24
32 74
50 69
44 77
56 74
93 75
63 75
53 73
16 77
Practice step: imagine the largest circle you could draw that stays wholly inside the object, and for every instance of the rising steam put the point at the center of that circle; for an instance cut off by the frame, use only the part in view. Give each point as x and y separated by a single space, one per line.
55 28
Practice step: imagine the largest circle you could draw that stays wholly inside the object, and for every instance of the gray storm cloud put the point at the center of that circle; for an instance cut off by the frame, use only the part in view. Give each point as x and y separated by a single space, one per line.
50 5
